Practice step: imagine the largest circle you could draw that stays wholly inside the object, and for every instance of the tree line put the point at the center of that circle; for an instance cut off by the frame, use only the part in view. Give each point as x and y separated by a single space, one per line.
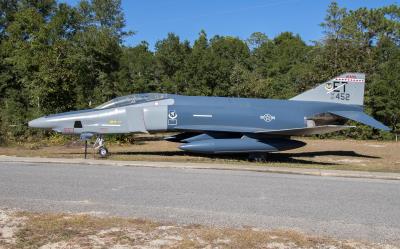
55 57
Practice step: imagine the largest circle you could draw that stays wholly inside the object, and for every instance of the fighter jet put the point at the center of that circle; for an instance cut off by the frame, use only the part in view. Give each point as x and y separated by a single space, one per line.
219 124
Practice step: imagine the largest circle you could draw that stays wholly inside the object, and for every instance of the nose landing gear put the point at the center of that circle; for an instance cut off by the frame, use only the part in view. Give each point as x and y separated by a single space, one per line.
100 147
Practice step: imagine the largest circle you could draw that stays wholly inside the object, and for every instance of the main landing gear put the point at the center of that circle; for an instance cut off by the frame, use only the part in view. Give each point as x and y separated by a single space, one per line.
260 157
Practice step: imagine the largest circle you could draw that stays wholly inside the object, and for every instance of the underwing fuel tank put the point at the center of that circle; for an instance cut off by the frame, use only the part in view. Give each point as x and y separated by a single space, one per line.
241 145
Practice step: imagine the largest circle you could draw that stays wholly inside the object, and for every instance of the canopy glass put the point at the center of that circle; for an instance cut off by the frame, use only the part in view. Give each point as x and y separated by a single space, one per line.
132 99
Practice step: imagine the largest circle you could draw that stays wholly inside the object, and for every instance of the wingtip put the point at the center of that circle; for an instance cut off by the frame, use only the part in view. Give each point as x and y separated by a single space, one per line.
382 127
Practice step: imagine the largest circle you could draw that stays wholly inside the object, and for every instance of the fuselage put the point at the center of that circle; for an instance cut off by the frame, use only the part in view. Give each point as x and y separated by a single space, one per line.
176 112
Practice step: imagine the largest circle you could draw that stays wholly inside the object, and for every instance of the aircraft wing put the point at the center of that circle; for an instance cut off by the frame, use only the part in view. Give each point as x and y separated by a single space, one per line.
287 132
307 130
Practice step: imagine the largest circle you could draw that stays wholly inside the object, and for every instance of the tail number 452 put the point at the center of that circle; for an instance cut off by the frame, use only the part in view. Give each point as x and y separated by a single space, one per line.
341 96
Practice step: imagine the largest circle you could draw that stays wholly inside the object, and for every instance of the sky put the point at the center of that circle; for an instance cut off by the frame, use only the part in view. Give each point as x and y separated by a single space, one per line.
152 20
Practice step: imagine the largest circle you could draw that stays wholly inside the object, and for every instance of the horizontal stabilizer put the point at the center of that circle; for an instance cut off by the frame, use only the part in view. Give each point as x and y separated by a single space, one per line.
361 117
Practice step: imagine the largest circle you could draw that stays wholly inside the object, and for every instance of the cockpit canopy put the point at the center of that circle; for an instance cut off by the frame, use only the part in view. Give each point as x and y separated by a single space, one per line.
132 99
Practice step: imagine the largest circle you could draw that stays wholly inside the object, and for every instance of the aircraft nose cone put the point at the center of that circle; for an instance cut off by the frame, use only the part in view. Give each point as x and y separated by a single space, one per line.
38 123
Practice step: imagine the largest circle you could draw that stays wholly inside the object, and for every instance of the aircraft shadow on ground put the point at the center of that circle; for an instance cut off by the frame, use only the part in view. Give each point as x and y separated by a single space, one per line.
349 153
282 157
238 157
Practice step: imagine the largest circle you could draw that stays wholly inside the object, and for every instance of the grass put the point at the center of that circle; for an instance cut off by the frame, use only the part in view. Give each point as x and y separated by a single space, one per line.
85 231
322 154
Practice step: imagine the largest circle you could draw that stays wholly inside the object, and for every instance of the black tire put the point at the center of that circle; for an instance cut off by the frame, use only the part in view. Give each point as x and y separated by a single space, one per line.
103 152
258 157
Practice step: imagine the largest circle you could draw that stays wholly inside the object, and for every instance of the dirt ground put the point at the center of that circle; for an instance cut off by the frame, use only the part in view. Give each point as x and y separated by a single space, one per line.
67 231
325 154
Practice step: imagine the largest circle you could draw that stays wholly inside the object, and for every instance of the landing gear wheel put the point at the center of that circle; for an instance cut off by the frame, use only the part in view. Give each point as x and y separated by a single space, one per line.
258 157
103 152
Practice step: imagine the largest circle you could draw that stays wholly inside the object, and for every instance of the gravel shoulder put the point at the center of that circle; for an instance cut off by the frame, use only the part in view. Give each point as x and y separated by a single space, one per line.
56 231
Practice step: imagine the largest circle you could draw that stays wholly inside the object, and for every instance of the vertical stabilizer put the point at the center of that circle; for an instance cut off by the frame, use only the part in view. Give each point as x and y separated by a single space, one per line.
347 88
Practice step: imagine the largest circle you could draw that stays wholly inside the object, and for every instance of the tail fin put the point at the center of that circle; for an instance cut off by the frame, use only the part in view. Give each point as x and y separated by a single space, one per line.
347 89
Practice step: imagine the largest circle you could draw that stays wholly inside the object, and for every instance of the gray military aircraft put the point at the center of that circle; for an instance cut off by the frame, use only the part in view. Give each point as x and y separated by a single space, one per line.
219 124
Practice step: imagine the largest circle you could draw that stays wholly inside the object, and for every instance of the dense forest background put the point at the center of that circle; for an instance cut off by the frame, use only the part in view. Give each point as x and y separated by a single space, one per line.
55 57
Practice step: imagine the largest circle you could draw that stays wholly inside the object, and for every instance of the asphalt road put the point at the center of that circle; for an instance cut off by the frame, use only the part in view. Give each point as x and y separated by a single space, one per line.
345 208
